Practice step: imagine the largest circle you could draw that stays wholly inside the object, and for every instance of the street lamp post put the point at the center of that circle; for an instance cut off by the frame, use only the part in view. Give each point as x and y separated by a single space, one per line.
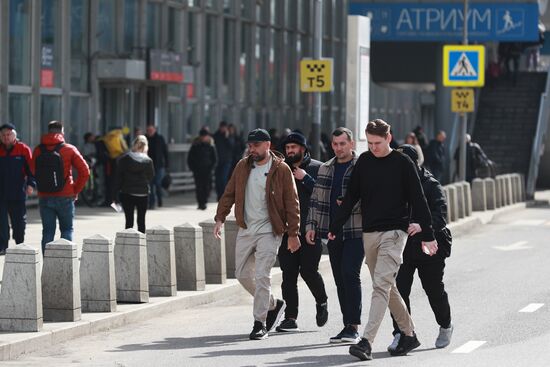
464 123
317 52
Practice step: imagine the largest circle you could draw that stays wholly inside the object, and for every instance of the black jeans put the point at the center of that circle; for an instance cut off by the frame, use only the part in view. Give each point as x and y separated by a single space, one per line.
305 262
346 259
14 211
203 186
431 277
131 202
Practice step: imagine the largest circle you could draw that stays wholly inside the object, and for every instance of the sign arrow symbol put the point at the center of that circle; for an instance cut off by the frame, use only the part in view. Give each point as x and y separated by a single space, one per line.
520 245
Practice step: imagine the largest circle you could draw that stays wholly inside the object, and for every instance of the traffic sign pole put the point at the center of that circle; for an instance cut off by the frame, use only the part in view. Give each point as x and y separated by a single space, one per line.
317 51
464 125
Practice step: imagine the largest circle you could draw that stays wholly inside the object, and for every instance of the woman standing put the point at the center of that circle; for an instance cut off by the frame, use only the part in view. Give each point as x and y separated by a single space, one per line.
135 171
411 139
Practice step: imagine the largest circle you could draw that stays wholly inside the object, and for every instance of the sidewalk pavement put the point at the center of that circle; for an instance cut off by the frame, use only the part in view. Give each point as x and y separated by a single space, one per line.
178 210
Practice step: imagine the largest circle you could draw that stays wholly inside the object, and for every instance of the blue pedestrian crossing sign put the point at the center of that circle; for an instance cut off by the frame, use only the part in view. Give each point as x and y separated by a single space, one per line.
463 66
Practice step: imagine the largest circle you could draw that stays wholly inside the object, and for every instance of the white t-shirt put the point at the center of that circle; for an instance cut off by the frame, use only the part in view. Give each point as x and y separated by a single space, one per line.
256 215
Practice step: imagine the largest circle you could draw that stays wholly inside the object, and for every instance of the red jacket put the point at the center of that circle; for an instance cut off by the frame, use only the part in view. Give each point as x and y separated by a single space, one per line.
71 158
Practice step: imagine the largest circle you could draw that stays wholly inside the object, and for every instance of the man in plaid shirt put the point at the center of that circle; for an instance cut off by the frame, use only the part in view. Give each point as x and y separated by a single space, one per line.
346 250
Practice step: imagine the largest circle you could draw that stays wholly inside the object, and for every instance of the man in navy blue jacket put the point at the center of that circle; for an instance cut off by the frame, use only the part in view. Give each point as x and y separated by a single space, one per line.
16 182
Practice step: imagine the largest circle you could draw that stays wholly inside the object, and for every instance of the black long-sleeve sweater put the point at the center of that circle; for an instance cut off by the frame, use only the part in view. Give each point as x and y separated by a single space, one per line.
388 187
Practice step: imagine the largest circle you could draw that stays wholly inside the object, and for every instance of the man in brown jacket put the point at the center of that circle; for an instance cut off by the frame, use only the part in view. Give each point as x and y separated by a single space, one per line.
266 206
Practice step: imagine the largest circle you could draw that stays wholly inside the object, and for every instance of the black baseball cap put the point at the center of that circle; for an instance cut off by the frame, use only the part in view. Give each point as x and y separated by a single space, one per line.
410 151
258 135
8 126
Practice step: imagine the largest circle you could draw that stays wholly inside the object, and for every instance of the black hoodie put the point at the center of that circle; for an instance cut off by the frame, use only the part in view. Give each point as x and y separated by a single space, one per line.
133 174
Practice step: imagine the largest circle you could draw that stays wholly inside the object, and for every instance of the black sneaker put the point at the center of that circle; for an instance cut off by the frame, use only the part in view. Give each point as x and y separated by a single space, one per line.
361 350
405 345
288 325
322 314
348 335
274 315
259 331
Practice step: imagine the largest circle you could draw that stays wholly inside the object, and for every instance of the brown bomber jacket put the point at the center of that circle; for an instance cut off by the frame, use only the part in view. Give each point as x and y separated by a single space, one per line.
282 198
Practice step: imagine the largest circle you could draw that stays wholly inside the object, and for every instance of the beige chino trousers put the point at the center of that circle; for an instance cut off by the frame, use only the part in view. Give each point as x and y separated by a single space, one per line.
384 255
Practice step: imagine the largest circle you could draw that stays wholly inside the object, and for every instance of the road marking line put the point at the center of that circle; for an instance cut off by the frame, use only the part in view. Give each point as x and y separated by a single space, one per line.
520 245
528 222
469 347
532 307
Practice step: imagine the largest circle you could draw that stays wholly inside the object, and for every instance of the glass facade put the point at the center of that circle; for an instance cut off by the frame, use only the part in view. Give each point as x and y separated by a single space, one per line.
86 62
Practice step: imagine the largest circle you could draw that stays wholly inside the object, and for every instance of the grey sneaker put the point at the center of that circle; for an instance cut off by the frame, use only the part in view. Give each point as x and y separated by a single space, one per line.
393 345
444 337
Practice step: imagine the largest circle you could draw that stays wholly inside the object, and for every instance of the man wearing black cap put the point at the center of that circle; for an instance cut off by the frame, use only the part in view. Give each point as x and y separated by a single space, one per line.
430 268
201 160
305 261
16 182
266 203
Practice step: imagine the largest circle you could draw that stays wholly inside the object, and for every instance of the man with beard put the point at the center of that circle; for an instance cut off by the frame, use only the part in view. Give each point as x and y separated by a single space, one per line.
263 220
305 261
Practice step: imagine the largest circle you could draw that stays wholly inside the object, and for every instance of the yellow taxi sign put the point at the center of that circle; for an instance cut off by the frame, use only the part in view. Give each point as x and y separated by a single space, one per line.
462 100
316 75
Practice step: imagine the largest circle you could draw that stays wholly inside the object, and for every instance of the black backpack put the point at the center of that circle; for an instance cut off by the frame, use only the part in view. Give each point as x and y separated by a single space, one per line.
49 169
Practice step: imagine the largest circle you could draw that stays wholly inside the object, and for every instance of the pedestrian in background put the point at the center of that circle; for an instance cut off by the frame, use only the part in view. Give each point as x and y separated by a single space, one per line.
158 152
116 146
422 141
135 172
434 159
52 165
304 261
430 268
346 251
411 139
202 160
238 145
262 220
16 182
387 184
224 150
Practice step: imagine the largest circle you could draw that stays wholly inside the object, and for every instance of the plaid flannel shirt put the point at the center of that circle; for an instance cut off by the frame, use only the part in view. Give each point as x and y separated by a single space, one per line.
318 218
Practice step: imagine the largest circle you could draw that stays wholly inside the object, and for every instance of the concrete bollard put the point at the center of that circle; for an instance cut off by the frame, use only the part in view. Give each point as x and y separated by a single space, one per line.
498 192
502 190
189 257
21 292
446 192
97 275
516 179
479 197
161 262
490 193
460 200
522 187
214 254
231 230
61 282
452 203
508 189
467 192
132 280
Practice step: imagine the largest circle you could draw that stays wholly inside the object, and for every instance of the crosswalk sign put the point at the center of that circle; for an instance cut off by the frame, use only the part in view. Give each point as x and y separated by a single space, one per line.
463 66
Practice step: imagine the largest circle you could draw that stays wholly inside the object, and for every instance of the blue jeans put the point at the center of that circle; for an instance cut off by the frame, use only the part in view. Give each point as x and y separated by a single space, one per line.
16 211
51 209
156 187
223 171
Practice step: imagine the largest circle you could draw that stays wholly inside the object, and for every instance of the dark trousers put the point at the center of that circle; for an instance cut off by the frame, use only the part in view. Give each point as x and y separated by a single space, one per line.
305 262
346 259
223 171
203 186
131 202
14 211
431 277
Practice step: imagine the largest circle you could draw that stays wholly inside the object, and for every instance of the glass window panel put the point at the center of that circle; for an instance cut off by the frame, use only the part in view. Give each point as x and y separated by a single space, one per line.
174 30
51 53
50 109
78 125
79 45
229 6
243 63
106 26
19 42
19 115
212 57
154 22
327 12
191 38
176 128
130 25
229 54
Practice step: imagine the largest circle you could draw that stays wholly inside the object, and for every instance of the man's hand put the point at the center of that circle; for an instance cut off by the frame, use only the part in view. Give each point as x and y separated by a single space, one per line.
429 248
293 244
310 237
331 237
218 230
30 190
299 173
414 228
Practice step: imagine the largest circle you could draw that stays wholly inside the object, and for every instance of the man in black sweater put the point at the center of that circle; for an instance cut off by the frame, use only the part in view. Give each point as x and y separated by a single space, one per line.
388 186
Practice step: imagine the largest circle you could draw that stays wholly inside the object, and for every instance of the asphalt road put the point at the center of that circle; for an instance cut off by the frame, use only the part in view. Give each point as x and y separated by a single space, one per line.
493 274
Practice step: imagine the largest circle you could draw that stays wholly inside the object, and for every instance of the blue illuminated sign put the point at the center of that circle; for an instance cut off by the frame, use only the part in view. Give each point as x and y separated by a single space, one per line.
444 21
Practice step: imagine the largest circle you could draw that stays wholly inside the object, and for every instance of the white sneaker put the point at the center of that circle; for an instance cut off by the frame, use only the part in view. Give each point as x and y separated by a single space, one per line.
393 345
444 337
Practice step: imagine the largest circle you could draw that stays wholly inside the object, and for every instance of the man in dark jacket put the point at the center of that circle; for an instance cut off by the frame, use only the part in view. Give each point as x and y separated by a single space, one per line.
16 182
158 151
430 268
304 261
435 155
224 149
201 161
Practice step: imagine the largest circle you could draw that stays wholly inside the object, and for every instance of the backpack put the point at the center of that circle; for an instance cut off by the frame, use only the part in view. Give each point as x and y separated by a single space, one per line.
49 169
